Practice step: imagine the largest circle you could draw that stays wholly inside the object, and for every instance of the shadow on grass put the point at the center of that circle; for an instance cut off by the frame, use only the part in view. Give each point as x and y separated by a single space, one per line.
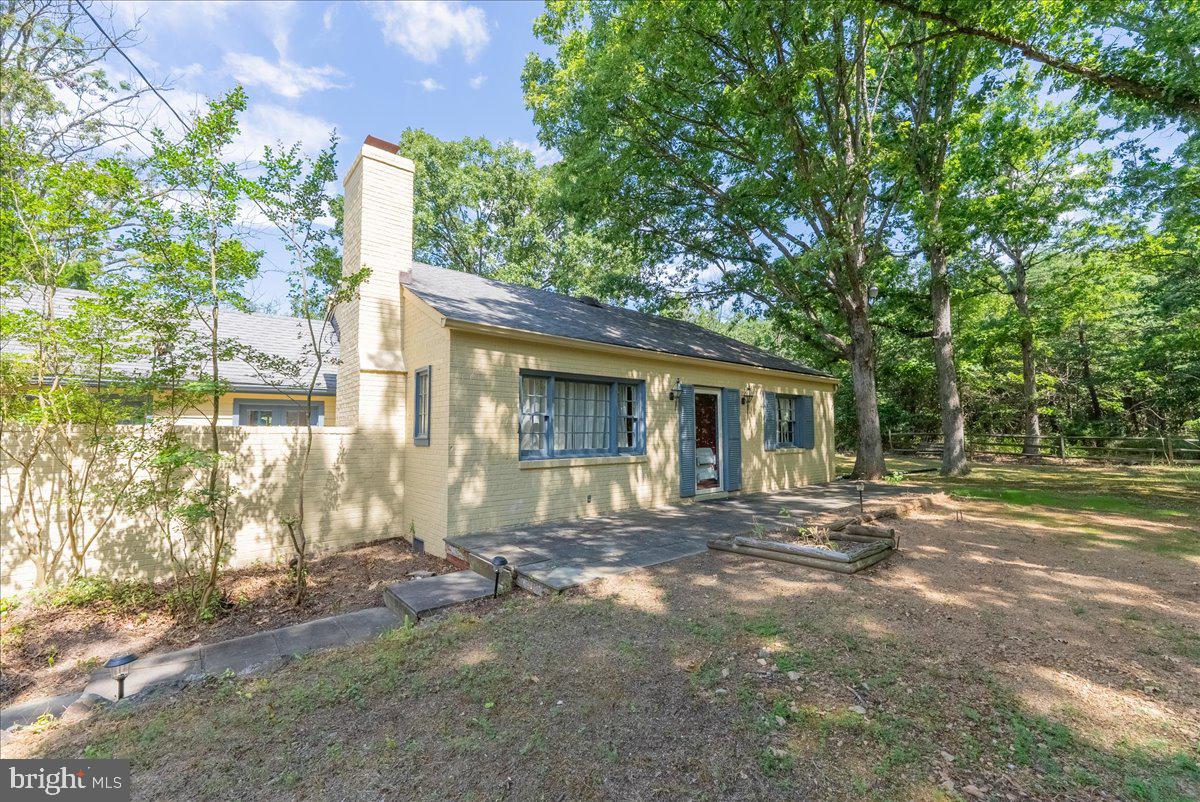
713 677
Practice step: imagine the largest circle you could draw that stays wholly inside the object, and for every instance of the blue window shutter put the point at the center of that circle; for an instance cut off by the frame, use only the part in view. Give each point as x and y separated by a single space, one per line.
687 441
731 410
804 427
770 422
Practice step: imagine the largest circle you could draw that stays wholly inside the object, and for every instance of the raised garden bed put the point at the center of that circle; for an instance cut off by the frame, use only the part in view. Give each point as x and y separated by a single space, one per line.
852 549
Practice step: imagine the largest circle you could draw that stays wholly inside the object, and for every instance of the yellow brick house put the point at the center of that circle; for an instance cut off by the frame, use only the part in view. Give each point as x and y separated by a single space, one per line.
513 405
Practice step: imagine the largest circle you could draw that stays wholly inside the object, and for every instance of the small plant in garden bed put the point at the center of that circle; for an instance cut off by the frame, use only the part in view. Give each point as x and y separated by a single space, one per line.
88 591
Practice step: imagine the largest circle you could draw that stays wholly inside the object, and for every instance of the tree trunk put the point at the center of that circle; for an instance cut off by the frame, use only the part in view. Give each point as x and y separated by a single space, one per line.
1018 286
1088 381
868 461
954 450
1033 425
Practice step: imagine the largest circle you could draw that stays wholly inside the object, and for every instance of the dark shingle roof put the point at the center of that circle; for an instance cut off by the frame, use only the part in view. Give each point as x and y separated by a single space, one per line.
271 335
470 298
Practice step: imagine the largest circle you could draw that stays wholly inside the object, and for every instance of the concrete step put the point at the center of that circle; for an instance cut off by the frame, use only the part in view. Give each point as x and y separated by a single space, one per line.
417 598
555 576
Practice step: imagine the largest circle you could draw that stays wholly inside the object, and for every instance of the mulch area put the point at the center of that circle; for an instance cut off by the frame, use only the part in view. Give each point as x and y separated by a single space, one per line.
48 649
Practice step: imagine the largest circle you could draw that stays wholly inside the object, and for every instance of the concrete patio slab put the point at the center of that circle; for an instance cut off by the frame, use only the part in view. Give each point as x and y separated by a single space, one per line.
559 555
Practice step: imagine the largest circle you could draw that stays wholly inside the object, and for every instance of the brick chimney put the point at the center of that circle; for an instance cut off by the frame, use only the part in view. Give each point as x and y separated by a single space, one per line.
378 234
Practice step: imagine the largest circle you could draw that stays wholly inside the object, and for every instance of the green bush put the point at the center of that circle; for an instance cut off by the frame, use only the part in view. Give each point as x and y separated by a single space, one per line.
91 591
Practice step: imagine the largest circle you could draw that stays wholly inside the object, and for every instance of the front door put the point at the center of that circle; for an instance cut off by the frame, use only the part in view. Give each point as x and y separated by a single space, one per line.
709 442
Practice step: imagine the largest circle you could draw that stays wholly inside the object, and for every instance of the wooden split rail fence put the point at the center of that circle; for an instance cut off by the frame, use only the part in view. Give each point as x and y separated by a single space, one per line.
1167 449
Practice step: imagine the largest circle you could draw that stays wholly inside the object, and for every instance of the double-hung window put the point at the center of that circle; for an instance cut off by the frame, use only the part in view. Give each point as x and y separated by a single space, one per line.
421 395
787 420
580 416
793 423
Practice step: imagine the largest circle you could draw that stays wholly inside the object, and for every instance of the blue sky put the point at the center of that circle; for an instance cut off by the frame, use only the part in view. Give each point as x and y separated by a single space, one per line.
453 68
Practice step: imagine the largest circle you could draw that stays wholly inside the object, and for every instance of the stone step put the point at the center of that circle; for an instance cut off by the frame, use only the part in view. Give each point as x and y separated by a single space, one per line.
555 576
416 598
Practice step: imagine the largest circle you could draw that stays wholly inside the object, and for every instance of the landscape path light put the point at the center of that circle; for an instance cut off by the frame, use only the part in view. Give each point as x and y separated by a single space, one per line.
116 666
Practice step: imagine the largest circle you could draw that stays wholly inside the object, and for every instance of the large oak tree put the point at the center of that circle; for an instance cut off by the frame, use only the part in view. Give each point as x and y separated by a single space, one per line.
741 136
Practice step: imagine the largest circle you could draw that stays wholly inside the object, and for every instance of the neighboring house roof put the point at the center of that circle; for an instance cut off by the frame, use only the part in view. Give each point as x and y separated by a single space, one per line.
470 298
276 336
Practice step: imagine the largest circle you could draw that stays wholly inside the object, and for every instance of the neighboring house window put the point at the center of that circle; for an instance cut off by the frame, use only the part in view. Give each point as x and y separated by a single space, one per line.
566 416
794 422
421 411
269 412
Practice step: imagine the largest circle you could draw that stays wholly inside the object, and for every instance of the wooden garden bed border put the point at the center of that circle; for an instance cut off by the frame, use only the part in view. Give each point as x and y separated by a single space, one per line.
804 555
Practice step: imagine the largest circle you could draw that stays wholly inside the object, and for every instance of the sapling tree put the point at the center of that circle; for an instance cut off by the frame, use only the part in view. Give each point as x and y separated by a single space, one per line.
292 191
73 368
191 246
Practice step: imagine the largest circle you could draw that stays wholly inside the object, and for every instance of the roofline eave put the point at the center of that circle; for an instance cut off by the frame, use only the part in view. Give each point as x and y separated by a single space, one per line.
528 336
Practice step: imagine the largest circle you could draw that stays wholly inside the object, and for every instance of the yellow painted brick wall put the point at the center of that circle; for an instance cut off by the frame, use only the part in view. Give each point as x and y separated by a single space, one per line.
353 491
427 344
490 487
198 417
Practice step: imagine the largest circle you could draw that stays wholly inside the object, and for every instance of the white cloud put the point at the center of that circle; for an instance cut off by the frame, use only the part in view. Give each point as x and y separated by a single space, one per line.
189 73
192 13
428 85
327 17
286 77
478 81
542 155
266 124
424 30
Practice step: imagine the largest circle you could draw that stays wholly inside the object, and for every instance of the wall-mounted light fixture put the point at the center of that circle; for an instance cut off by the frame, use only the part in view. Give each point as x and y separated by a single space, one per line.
746 395
676 390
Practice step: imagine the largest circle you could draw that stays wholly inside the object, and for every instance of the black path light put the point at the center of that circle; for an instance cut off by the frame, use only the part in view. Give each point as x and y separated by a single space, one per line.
116 669
860 484
497 564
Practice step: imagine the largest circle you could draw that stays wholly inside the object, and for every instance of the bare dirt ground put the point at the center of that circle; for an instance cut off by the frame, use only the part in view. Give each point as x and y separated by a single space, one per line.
1022 652
50 648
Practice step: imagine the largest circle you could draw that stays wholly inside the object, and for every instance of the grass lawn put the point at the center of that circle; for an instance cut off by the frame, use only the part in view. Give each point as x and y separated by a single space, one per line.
1131 498
1038 639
